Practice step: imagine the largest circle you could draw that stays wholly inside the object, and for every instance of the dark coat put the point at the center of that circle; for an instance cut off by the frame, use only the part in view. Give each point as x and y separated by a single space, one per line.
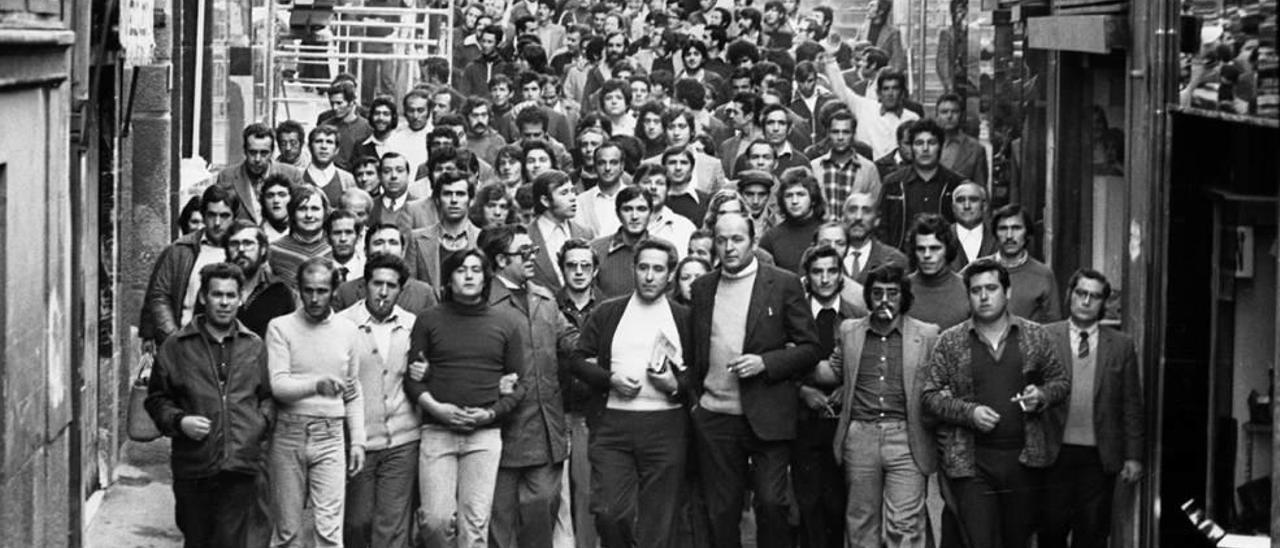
162 302
780 329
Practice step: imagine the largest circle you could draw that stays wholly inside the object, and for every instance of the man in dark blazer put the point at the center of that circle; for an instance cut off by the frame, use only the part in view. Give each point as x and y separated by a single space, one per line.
395 206
971 231
1102 427
861 218
636 397
753 337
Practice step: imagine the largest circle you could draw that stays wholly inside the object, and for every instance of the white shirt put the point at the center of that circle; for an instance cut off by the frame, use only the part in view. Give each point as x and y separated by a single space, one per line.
394 204
207 255
970 239
876 128
320 177
555 235
596 211
354 265
641 323
816 306
667 225
410 144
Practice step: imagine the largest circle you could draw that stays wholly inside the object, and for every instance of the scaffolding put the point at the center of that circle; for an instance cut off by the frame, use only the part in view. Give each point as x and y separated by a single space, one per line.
311 41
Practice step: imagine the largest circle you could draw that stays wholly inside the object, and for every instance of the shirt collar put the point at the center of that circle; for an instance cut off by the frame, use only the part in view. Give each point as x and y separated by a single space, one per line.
547 226
322 175
690 189
816 306
364 319
1075 331
829 161
394 203
618 241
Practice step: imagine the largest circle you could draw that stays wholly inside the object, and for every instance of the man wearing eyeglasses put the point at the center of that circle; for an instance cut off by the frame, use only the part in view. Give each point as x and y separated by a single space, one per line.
1101 426
886 452
535 436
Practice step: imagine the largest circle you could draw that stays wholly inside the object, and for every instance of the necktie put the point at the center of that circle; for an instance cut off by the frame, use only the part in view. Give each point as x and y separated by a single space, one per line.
827 330
856 267
1083 351
342 273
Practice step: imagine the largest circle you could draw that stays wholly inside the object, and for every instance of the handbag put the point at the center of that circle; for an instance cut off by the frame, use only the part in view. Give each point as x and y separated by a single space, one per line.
141 427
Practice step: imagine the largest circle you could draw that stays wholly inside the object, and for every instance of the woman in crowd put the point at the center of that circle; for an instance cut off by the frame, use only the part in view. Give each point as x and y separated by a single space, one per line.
687 271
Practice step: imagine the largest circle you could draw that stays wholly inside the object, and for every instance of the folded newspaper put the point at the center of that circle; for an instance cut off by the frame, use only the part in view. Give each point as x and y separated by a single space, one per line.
664 353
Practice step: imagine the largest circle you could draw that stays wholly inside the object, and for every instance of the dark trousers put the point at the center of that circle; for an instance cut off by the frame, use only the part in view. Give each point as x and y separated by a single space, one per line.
526 500
1077 500
818 483
380 499
729 451
214 512
997 506
638 467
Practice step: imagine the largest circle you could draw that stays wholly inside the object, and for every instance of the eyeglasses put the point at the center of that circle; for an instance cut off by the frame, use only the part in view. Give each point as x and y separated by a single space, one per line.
1082 295
524 252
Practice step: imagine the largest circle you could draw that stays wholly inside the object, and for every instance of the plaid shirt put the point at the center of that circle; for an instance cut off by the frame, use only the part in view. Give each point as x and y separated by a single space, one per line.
857 174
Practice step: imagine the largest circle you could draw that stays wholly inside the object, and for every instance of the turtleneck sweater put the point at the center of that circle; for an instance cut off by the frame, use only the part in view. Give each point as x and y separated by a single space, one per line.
728 331
940 300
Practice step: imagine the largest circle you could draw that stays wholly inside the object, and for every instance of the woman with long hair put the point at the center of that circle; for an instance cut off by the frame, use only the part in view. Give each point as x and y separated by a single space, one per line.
649 130
190 219
687 270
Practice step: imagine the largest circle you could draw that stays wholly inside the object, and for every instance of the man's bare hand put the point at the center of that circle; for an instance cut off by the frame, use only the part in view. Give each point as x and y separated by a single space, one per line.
746 365
330 386
626 386
195 427
507 384
814 399
986 418
664 381
418 367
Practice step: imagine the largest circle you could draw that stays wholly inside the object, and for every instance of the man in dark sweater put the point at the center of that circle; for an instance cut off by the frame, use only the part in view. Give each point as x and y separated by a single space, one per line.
352 128
684 198
940 296
803 211
988 385
1035 289
924 188
617 251
265 295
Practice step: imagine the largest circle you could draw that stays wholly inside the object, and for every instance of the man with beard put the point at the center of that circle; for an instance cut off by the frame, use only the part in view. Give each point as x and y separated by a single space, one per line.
307 212
843 171
476 76
637 419
451 195
1035 289
395 205
323 174
972 234
803 209
824 17
245 178
289 139
171 296
615 49
556 205
265 296
217 416
961 152
352 128
276 192
595 205
341 231
617 251
386 239
684 197
663 223
861 219
925 187
814 472
384 119
939 292
379 498
410 140
481 139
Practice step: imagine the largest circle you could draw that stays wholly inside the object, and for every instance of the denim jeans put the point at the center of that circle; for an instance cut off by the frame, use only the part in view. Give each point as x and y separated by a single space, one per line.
457 473
885 486
307 459
380 499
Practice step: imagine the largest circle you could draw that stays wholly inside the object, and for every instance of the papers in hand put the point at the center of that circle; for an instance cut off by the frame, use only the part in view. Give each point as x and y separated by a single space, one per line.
664 353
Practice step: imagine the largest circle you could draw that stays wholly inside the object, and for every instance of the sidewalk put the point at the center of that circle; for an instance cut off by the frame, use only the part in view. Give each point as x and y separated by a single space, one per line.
137 510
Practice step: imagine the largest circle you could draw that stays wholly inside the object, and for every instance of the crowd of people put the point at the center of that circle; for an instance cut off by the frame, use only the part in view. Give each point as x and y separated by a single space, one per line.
692 260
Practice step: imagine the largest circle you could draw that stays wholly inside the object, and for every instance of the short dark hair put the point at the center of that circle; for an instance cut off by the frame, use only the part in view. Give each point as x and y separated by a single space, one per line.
454 261
495 30
379 227
649 170
926 224
245 224
904 129
220 271
384 260
948 98
529 145
545 184
887 75
338 215
927 125
1014 210
365 160
770 109
495 240
691 92
216 193
391 156
441 156
659 244
677 151
290 127
843 115
533 115
335 279
1090 274
257 130
629 193
802 176
322 129
812 254
473 102
576 243
344 88
448 178
889 273
982 266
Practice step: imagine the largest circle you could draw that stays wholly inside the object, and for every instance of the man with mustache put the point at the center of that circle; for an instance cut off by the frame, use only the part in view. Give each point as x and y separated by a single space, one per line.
481 138
265 296
861 219
410 140
1035 293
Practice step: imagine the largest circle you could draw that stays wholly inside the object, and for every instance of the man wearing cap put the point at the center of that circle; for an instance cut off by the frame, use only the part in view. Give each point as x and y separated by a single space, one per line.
756 188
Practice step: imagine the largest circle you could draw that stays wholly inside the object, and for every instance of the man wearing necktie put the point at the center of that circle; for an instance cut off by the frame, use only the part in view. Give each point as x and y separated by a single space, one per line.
1101 428
861 216
815 474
